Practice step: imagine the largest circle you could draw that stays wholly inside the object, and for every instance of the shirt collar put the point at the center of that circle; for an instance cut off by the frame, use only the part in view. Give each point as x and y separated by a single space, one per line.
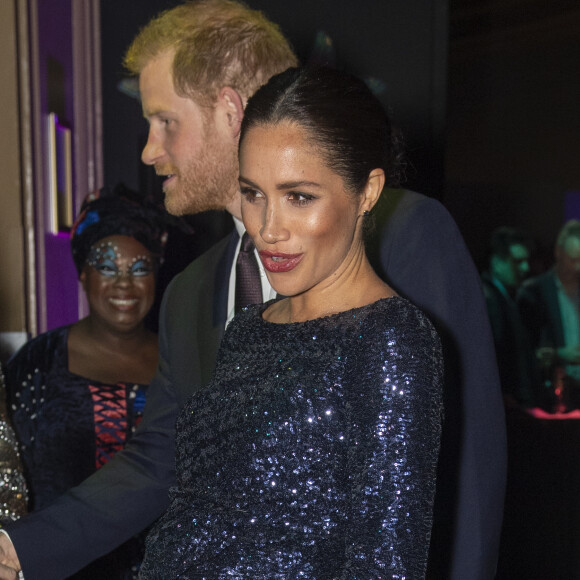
239 224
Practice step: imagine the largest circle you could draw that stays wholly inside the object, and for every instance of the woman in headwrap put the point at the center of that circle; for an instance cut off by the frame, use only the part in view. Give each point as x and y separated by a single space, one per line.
77 392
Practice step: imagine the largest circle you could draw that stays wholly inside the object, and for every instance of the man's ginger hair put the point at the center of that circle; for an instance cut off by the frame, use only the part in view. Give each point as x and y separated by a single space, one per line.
217 43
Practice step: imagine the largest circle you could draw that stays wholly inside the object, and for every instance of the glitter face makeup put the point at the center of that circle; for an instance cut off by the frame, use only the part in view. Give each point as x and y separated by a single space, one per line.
119 280
103 258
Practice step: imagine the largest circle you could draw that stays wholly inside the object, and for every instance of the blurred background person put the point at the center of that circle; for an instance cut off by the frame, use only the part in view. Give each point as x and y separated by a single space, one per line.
549 307
508 266
77 392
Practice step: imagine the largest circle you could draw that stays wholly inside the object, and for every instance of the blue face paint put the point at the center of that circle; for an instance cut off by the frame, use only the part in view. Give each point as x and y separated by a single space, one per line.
103 258
140 267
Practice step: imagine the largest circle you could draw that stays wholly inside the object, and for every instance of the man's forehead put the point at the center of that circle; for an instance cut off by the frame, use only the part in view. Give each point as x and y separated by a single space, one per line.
572 247
156 77
159 98
519 252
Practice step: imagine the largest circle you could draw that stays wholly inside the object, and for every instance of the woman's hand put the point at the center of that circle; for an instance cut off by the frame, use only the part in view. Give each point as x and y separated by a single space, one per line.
9 563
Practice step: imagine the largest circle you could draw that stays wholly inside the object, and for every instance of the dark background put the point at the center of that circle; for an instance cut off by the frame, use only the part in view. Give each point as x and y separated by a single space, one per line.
513 117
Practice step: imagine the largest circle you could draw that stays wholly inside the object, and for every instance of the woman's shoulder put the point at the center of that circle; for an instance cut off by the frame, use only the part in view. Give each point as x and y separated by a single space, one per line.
376 322
40 351
46 340
401 345
389 314
405 311
397 324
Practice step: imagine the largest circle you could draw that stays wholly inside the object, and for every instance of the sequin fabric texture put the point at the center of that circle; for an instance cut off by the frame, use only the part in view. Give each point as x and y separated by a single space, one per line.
311 453
13 491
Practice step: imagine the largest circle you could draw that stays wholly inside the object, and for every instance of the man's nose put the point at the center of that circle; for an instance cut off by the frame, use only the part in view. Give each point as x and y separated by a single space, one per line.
153 149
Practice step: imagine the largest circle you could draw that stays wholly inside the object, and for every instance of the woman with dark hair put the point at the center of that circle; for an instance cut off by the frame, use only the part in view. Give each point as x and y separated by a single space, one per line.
312 452
77 392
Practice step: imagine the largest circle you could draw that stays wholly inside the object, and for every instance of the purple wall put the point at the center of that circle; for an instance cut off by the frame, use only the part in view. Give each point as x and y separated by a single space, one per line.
56 95
61 281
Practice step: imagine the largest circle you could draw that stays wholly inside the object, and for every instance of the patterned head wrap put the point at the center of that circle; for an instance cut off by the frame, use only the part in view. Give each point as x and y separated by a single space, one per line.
117 212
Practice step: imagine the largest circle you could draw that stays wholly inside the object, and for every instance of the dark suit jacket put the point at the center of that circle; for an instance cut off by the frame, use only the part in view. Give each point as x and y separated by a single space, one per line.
538 303
515 359
427 261
423 256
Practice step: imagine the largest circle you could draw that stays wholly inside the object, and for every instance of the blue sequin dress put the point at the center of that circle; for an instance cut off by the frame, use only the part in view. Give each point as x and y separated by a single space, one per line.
311 453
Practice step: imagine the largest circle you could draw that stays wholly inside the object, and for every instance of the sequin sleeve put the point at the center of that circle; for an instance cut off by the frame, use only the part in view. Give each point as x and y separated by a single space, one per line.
27 373
395 418
13 491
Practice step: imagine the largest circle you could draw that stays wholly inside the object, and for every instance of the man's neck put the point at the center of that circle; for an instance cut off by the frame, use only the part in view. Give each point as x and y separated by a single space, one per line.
569 284
235 206
503 288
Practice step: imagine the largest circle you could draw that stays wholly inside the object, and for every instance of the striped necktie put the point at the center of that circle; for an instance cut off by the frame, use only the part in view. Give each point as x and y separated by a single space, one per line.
248 285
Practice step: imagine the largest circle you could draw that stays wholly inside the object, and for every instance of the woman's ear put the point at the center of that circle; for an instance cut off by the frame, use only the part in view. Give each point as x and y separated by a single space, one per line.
232 107
372 190
83 279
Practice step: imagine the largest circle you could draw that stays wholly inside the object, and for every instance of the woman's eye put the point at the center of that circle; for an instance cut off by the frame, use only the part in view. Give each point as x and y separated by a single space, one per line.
298 198
106 270
250 194
141 270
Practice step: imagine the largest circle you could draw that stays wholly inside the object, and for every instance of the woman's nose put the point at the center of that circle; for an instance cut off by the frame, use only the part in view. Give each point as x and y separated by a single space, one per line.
123 278
273 228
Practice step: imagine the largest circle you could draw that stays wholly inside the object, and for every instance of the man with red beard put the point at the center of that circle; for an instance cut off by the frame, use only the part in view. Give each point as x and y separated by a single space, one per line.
197 65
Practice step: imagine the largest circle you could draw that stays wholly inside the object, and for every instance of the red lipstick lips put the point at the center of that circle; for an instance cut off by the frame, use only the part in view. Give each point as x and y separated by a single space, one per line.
277 262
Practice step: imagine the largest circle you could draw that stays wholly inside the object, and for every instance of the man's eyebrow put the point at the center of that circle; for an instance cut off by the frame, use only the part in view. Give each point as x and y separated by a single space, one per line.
155 112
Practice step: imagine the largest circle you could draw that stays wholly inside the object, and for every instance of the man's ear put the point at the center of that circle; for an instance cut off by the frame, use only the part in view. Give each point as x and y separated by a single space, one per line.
373 189
232 106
